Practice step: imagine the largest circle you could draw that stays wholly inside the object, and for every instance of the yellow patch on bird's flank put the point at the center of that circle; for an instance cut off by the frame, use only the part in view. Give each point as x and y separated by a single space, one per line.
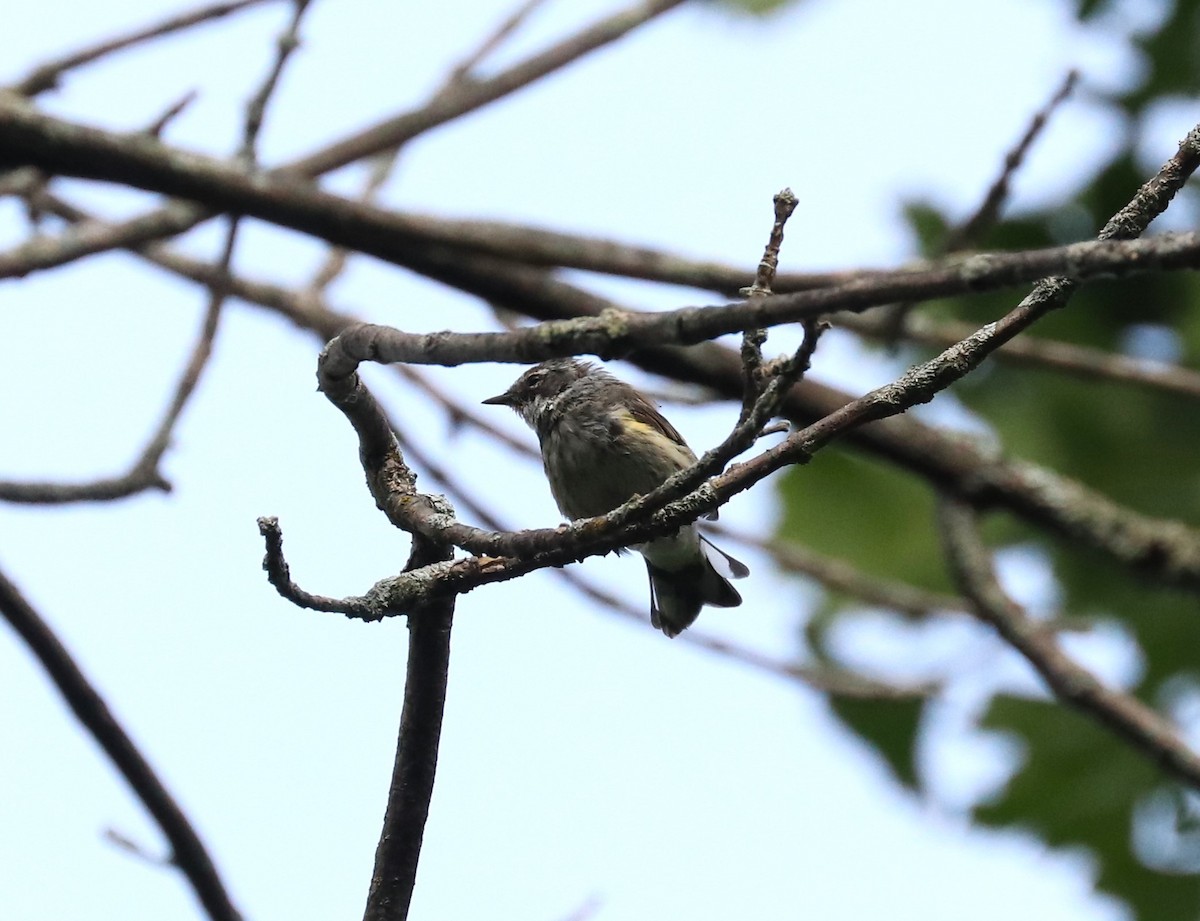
681 455
641 428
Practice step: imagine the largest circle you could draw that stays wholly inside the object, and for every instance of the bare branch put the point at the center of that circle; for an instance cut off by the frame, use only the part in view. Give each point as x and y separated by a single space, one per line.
60 147
145 473
969 232
754 339
1123 714
340 383
187 851
467 97
519 243
1036 352
1036 494
415 766
178 217
619 332
256 108
47 76
461 72
156 128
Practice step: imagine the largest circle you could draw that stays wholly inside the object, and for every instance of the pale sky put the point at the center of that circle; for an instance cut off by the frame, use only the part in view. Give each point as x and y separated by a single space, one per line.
585 759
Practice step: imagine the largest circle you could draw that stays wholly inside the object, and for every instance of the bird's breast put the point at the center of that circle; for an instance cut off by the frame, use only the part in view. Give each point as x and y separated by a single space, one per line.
596 464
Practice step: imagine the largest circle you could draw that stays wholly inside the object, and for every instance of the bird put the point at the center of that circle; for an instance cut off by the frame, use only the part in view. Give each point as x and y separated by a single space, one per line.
602 443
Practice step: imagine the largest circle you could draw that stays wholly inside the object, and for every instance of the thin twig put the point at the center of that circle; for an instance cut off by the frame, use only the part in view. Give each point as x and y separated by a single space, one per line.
467 97
1123 714
47 76
156 128
145 473
754 339
187 851
462 71
177 217
336 259
971 231
384 162
285 46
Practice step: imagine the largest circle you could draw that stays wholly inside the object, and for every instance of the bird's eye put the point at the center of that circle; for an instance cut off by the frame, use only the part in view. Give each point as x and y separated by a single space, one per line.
535 378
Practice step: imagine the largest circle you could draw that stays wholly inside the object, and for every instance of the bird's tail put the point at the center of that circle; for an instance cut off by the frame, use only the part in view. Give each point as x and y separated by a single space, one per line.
678 594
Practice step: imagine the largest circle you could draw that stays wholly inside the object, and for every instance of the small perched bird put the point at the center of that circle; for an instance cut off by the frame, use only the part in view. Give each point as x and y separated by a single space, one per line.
603 443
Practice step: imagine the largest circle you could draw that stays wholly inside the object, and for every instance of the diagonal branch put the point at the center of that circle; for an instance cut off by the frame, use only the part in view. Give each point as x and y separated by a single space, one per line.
145 473
662 510
187 851
1122 714
58 146
1079 361
466 97
177 217
970 231
47 76
1040 496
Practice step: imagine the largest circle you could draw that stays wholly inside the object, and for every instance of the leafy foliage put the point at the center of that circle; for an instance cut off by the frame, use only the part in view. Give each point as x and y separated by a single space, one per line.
1079 786
892 727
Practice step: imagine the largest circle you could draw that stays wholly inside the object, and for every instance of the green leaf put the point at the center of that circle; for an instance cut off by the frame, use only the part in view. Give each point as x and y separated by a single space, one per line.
755 7
890 726
928 224
1079 787
872 515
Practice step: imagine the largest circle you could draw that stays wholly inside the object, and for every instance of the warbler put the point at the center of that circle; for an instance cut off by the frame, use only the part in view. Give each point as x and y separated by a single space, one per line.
603 443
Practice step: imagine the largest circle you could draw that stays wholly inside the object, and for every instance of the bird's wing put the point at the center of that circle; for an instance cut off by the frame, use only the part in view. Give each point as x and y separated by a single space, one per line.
647 413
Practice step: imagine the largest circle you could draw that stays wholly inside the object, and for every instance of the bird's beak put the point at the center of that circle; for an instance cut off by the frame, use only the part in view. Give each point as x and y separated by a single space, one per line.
504 399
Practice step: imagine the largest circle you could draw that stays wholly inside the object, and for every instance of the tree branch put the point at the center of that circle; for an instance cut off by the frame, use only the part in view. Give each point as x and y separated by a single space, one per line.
468 96
47 76
57 146
187 851
660 511
980 475
415 767
1124 715
970 231
145 473
177 217
1035 352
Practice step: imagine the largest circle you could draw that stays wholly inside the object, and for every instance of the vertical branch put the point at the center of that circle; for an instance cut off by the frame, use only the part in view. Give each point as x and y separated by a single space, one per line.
754 339
415 766
393 486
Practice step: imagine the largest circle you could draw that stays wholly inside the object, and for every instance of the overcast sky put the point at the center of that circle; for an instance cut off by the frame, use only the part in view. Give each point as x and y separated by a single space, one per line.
586 759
